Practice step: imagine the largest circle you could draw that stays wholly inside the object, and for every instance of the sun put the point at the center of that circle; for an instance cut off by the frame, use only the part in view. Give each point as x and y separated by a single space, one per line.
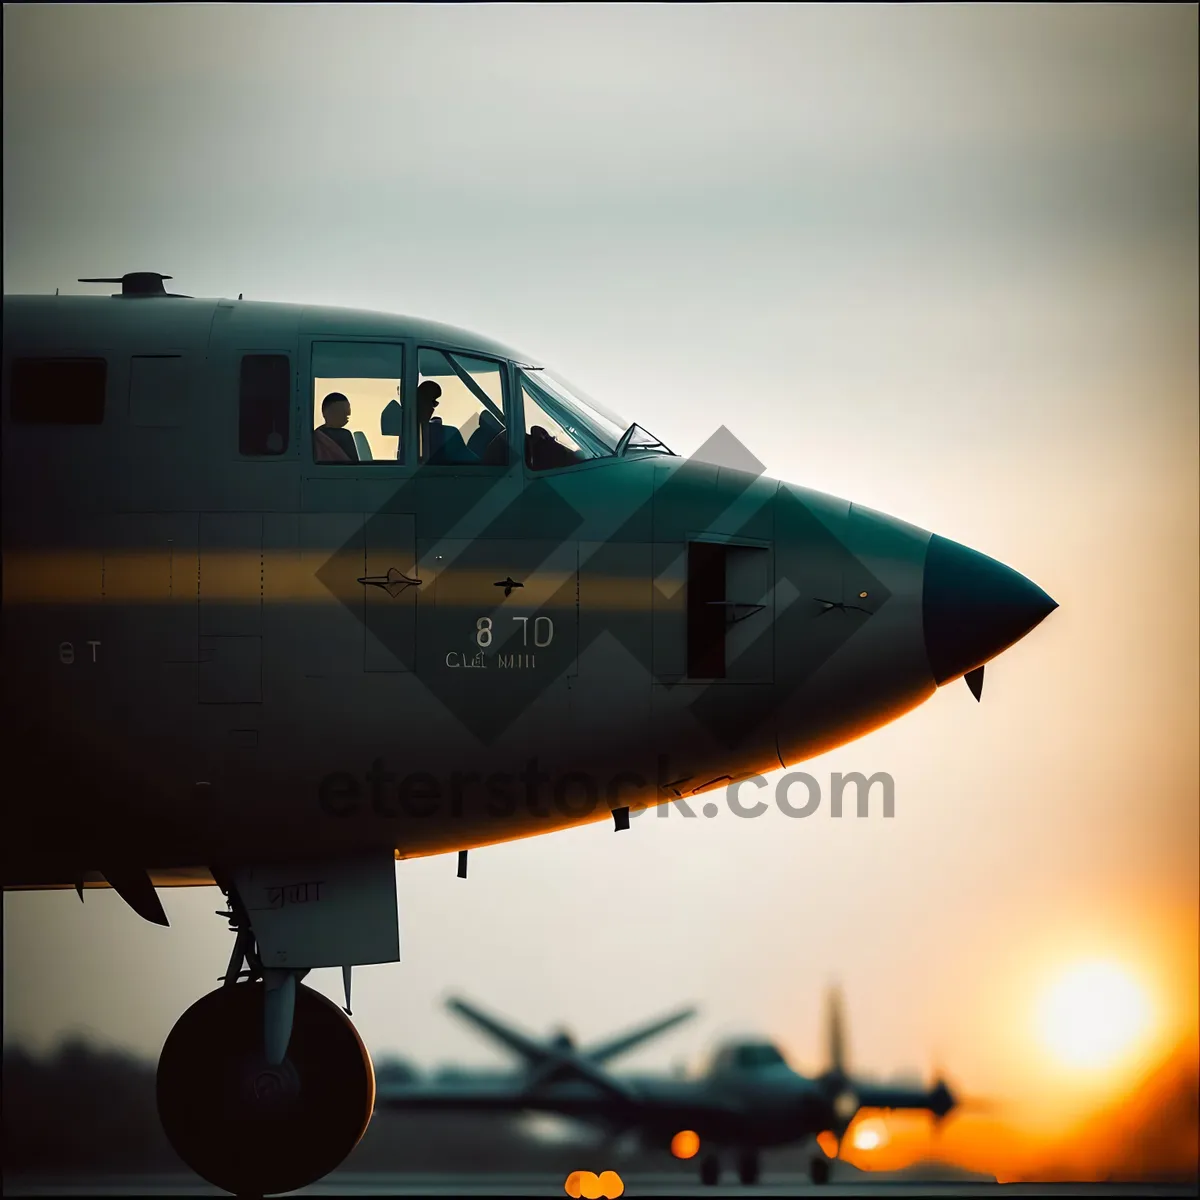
1094 1014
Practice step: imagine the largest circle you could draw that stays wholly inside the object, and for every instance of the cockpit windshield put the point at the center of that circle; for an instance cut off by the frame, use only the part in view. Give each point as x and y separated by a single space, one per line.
752 1057
563 425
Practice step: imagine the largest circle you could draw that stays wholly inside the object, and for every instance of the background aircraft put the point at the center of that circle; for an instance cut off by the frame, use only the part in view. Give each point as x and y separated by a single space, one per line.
747 1099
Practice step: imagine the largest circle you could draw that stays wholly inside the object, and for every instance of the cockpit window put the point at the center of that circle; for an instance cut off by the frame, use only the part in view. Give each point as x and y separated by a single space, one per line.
603 421
563 426
753 1057
358 402
460 409
552 437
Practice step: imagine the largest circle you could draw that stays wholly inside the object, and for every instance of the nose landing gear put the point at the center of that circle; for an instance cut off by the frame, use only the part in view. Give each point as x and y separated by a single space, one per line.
246 1125
263 1085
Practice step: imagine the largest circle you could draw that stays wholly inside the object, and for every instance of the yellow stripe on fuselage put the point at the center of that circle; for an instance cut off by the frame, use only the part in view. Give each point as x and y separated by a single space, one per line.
275 577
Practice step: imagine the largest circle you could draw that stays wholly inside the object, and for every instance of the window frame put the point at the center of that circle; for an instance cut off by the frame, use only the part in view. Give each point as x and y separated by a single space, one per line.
307 388
512 412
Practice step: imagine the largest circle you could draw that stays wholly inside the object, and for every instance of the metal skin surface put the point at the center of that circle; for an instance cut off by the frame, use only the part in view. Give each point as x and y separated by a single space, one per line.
244 685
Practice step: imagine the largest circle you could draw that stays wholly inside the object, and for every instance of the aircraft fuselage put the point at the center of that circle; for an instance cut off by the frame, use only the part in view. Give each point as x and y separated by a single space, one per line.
223 649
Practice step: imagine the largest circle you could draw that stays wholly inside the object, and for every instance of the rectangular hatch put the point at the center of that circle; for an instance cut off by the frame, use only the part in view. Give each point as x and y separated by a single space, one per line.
729 612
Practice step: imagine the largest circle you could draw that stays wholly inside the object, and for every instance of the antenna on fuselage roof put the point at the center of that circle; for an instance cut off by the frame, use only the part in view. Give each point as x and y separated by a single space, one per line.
138 284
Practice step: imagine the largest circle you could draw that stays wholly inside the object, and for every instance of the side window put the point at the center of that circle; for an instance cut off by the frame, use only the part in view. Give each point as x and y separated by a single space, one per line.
358 402
460 410
58 391
264 404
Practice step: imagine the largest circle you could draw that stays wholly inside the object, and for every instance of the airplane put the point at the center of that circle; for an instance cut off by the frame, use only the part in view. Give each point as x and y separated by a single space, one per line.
746 1100
263 631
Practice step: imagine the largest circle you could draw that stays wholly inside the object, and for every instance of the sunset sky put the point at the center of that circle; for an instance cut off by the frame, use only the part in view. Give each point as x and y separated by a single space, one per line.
941 261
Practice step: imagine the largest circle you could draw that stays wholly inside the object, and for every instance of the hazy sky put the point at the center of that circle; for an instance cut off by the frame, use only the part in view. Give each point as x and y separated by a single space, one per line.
940 261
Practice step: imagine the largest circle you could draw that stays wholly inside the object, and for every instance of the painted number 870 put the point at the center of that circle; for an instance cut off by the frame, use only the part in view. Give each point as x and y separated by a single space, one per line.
543 631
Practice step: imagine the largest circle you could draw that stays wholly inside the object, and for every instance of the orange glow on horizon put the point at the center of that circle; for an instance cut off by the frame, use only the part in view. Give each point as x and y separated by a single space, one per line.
870 1135
1147 1130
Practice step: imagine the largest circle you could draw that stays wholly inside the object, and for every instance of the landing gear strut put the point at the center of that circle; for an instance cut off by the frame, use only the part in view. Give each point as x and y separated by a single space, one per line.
257 1104
819 1170
710 1169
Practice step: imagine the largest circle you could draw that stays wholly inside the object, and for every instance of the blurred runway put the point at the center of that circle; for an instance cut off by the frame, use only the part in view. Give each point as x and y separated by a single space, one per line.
357 1183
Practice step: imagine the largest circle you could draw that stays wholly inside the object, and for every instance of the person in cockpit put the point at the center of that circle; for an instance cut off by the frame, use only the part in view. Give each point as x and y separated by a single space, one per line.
489 441
335 414
440 445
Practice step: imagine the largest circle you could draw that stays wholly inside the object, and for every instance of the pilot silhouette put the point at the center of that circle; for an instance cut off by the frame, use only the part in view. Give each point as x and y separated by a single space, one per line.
325 449
441 445
335 412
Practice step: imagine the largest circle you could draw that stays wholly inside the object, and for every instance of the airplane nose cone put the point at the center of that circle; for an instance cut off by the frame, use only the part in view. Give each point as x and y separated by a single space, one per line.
974 607
941 1099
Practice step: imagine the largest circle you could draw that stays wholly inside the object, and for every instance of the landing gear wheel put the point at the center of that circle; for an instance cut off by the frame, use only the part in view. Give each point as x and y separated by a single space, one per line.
748 1167
819 1170
246 1126
710 1169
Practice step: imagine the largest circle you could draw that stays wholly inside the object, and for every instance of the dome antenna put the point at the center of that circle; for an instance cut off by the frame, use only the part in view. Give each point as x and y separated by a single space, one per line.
139 284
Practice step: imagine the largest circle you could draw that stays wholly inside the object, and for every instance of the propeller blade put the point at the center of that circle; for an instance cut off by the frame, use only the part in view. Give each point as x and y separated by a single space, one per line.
836 1031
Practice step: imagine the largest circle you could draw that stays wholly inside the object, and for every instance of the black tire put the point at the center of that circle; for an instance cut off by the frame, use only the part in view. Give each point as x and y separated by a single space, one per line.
748 1168
710 1169
254 1129
819 1170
